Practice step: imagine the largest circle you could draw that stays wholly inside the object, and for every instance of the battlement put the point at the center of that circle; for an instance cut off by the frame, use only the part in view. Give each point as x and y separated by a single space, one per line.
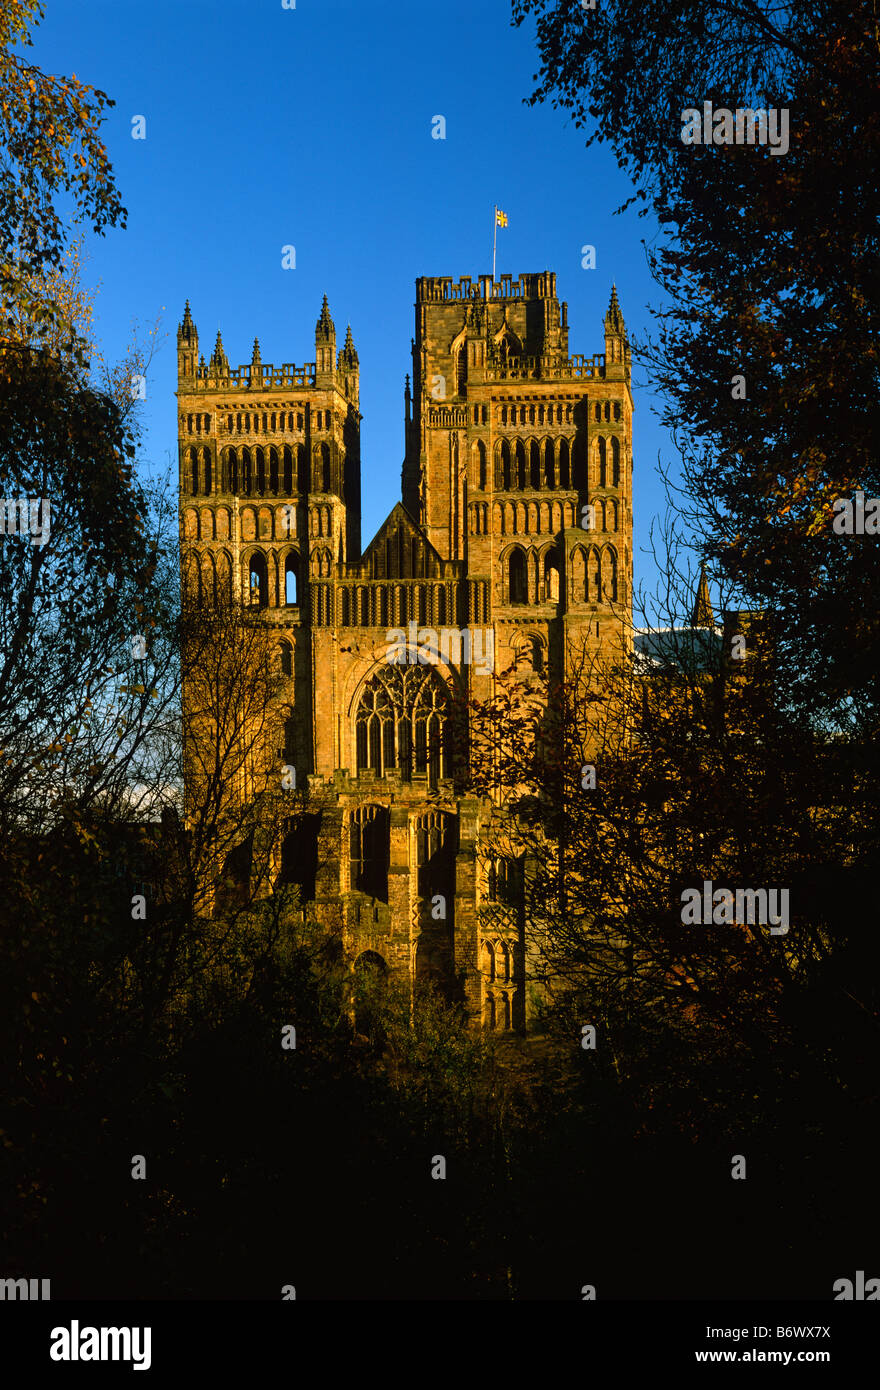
576 368
251 377
440 289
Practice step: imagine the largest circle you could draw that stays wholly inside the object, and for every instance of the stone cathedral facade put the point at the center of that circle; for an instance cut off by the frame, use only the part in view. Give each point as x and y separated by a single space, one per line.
512 542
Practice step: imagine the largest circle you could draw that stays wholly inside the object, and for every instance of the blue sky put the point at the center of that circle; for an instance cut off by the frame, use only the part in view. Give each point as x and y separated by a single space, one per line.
311 127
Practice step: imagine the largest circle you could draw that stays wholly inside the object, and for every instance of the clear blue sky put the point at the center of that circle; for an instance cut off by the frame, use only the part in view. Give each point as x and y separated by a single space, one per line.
312 127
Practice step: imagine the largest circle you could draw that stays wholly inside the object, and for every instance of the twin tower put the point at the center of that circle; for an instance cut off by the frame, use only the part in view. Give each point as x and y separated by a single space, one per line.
512 544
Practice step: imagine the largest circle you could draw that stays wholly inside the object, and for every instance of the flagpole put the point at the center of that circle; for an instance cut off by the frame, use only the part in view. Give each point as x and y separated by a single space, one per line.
494 240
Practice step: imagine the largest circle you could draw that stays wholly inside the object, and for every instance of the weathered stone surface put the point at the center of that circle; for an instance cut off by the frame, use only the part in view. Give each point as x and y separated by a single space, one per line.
508 441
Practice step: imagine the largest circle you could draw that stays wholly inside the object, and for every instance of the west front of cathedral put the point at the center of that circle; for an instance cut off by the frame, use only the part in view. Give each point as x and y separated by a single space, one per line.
511 548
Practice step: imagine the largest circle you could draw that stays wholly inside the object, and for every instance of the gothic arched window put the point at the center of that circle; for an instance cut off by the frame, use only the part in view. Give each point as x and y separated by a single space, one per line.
461 370
436 845
368 839
480 458
400 723
609 566
322 480
487 961
596 576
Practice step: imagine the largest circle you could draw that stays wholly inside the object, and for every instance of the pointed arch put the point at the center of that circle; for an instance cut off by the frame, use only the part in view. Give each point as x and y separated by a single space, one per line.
478 455
322 468
399 723
368 849
507 344
594 575
487 955
461 367
209 585
609 573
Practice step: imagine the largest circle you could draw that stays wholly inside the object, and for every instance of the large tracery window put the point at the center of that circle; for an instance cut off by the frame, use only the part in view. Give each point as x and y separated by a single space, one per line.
400 723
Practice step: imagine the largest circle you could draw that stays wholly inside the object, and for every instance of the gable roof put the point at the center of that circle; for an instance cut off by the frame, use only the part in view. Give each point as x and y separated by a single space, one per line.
390 553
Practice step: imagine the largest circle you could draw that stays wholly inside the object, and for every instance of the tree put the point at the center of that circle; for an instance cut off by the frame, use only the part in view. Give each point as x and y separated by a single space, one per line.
700 777
49 147
628 68
766 355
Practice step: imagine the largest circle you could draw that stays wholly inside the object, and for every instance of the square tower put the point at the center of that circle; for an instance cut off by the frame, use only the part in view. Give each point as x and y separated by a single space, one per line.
519 462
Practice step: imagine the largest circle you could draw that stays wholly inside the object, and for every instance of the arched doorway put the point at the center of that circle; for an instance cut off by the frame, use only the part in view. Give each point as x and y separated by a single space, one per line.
370 977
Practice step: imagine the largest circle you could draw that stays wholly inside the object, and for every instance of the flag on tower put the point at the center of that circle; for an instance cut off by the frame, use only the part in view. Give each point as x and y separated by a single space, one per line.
500 221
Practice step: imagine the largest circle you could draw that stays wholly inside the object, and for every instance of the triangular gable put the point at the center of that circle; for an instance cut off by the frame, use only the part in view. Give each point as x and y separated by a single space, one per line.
390 554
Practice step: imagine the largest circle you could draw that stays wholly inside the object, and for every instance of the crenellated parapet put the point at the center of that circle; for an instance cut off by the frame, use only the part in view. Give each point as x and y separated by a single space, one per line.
252 377
435 289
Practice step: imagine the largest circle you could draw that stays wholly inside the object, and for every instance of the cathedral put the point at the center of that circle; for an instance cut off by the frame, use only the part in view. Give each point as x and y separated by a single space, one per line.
510 548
